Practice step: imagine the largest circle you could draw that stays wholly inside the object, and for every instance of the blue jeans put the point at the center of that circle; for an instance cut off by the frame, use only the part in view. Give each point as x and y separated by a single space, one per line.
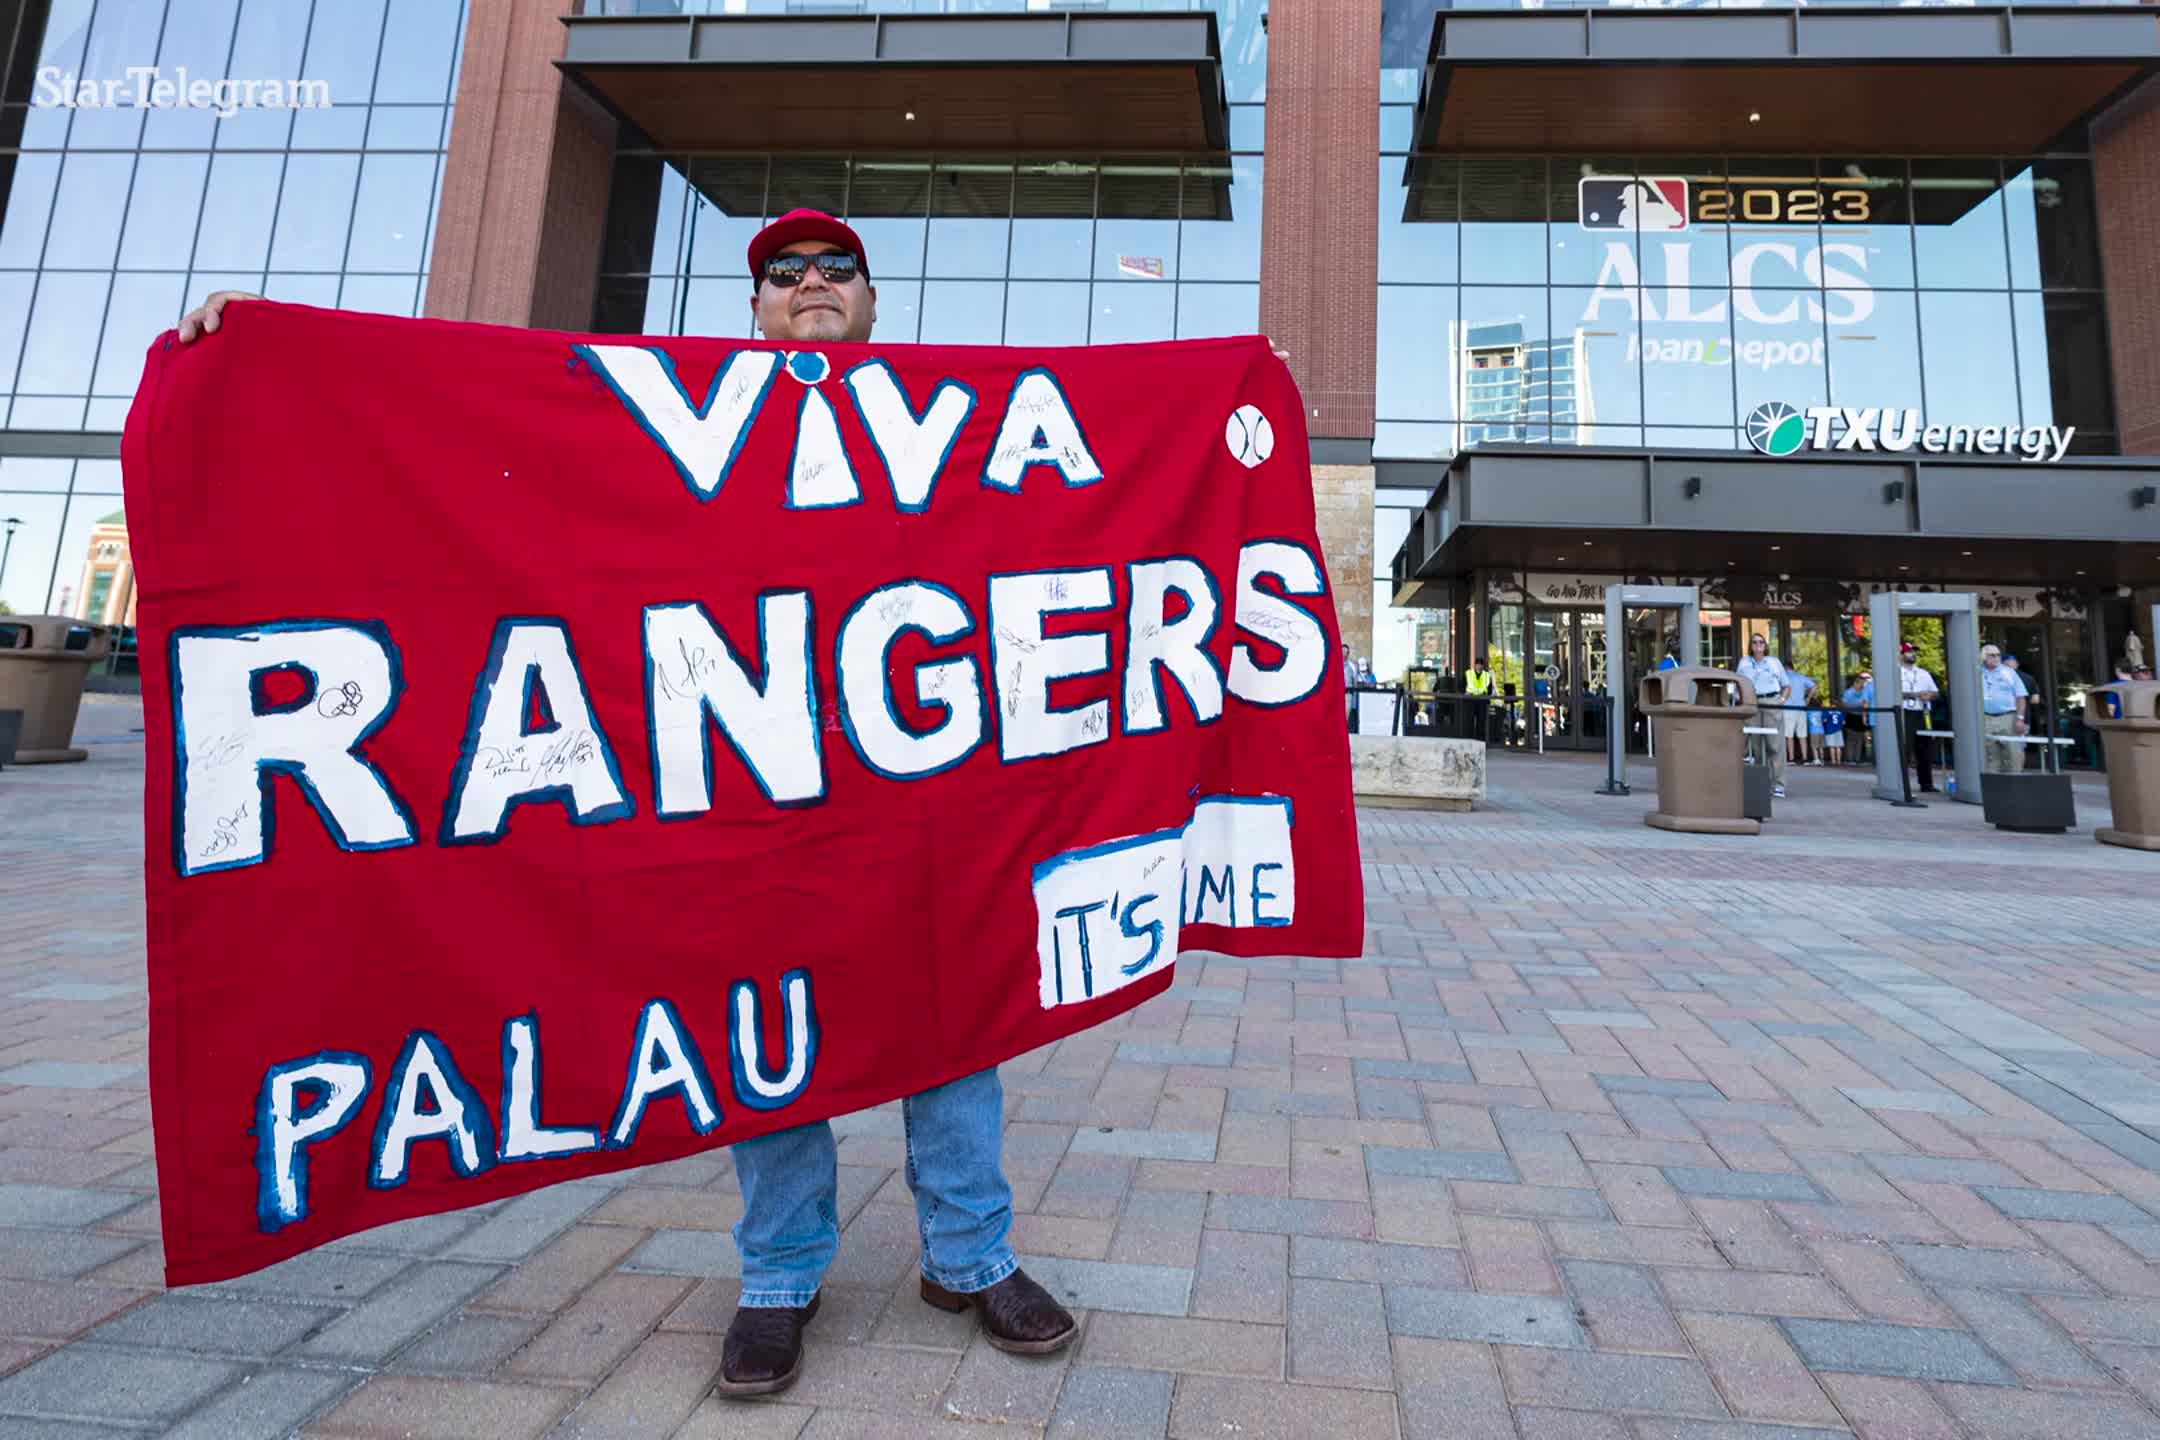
790 1226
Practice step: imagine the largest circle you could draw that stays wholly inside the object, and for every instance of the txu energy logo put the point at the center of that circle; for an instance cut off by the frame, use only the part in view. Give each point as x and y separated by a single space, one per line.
1775 428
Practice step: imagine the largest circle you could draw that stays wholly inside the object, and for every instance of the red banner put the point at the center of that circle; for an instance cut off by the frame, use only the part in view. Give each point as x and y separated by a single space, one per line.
567 753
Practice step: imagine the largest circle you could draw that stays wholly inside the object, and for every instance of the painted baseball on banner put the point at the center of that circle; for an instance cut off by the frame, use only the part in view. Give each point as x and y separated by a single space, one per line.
1249 435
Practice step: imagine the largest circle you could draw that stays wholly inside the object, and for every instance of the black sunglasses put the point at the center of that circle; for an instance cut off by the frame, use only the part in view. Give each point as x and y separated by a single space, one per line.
837 266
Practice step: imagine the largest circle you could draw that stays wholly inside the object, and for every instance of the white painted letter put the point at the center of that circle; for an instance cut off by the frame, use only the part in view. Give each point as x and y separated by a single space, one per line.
691 670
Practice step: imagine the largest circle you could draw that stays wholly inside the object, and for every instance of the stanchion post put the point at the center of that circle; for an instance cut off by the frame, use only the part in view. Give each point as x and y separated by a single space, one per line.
1897 729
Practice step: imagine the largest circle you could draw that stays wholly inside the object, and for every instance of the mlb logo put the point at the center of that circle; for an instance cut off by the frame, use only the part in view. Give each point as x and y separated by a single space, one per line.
1632 202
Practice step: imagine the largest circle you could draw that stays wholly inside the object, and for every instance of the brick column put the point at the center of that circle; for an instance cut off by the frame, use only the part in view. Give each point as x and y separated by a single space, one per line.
1319 259
2126 154
525 183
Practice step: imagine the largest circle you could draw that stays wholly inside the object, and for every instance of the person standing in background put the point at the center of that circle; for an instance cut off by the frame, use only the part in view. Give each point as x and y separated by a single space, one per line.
1794 722
1919 692
2002 714
1765 676
1859 701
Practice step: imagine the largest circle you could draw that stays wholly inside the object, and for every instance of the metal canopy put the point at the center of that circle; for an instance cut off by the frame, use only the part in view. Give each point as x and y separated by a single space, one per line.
1079 84
1943 81
1933 519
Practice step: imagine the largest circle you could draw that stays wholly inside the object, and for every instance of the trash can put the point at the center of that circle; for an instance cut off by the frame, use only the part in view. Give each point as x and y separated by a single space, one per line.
2131 740
1696 715
44 660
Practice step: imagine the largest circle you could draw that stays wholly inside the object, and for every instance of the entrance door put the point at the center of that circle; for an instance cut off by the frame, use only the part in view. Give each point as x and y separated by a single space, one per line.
1566 679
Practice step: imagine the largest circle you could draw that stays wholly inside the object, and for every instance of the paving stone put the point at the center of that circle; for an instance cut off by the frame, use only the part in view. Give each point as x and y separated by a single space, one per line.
215 1326
2033 1345
1323 1258
1622 1308
1209 1407
1626 1384
1099 1285
1664 1429
1450 1390
527 1222
2006 1269
2045 1414
468 1344
654 1390
1213 1347
1245 1275
1864 1348
1740 1184
340 1275
1933 1102
59 1255
428 1408
19 1428
1338 1334
2025 1204
67 1074
1611 1019
56 1309
383 1323
1495 1319
1440 1164
687 1252
60 1207
266 1405
1291 1217
1139 1054
1533 1201
1159 1227
1756 1370
584 1341
1952 1172
2134 1320
1101 1402
99 1383
1411 1070
1144 1144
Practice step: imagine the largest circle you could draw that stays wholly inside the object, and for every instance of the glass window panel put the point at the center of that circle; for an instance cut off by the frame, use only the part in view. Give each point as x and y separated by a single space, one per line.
198 35
1221 230
899 312
1053 221
1692 437
1412 379
122 33
1874 349
47 412
1596 205
237 210
62 340
727 209
28 209
342 43
2053 233
272 38
1248 127
381 294
1968 359
1397 125
1496 398
180 128
141 308
403 127
970 219
962 312
97 477
1046 312
1243 34
1125 314
888 197
1867 204
1779 348
16 287
45 127
84 513
816 182
1595 366
1412 440
1420 197
1698 253
257 129
43 474
2063 373
315 212
203 283
1958 223
1688 362
108 127
717 307
634 230
417 44
319 290
662 315
26 586
619 304
88 210
427 245
161 212
1503 220
671 217
67 30
1136 237
390 216
107 414
1217 309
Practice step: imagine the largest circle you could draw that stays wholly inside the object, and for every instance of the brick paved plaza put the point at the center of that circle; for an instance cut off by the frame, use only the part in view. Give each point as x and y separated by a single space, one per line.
1849 1129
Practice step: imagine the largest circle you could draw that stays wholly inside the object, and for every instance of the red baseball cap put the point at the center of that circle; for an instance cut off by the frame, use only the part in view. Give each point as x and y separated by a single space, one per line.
798 225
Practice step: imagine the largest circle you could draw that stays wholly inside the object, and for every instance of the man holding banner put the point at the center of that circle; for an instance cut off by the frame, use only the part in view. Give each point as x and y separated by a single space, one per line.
810 283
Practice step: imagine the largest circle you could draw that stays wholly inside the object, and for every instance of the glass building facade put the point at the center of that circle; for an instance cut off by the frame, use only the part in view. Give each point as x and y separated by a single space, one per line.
152 151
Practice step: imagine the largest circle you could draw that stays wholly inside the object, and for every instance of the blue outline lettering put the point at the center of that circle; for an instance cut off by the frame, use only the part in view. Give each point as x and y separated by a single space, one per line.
270 1217
695 1085
1078 915
996 703
811 396
476 1124
265 770
482 698
588 353
1226 891
259 700
1264 921
1288 598
706 707
937 392
527 1116
1153 930
936 637
1158 665
748 1069
1039 432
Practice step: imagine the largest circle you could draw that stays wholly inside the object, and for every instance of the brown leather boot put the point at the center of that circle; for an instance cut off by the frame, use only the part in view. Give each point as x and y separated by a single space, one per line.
1018 1315
763 1350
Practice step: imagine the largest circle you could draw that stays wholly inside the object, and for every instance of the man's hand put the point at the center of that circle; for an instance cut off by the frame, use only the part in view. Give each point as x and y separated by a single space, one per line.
203 319
1280 353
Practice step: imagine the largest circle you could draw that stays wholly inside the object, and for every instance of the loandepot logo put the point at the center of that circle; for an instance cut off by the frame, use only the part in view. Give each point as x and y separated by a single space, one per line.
1775 428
